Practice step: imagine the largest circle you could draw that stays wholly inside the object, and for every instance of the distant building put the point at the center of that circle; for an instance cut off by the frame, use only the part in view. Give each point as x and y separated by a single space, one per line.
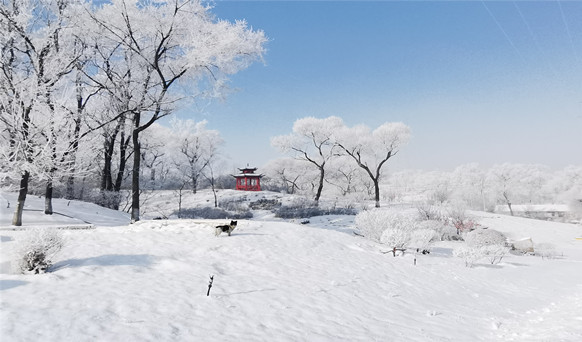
247 180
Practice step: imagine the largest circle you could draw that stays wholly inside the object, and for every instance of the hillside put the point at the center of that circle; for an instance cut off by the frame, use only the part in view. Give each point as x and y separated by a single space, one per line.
279 280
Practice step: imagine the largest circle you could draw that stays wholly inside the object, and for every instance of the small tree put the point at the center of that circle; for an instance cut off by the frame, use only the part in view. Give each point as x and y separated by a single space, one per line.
194 148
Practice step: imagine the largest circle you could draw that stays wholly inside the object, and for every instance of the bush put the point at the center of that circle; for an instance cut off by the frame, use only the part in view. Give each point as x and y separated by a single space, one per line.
265 204
372 224
234 204
457 215
482 243
484 237
399 231
494 253
292 212
37 248
443 232
422 238
545 250
212 214
427 211
470 254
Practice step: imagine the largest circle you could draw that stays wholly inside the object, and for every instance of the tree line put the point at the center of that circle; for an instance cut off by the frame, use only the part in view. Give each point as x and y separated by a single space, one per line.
81 80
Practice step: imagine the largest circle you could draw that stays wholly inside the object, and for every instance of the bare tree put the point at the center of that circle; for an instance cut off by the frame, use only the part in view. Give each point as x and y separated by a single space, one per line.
311 141
372 149
286 173
195 148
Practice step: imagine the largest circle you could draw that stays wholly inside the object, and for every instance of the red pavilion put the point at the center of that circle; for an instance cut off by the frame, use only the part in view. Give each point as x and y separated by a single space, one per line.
247 180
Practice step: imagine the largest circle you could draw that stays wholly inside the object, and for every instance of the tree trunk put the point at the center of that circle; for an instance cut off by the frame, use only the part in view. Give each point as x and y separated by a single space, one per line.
194 180
508 202
377 192
17 219
122 161
70 192
106 180
180 200
214 192
320 186
135 171
48 198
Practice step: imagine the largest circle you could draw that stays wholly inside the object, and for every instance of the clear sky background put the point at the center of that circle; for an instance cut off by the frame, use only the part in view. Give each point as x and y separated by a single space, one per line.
487 82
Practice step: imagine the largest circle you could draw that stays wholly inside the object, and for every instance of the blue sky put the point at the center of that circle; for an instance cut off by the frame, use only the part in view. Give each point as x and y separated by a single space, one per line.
487 82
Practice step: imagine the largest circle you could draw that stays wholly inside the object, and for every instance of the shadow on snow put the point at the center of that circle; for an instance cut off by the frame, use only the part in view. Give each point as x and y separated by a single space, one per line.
142 260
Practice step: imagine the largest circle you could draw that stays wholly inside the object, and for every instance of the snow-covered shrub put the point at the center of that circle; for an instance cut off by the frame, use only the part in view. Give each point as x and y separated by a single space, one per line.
469 254
399 233
458 217
287 212
372 223
234 204
212 214
422 238
300 202
494 253
397 230
37 247
427 211
482 243
484 237
265 204
443 231
545 250
440 195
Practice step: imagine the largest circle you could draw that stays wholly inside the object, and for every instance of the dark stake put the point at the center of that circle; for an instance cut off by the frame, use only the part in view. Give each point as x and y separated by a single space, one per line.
209 285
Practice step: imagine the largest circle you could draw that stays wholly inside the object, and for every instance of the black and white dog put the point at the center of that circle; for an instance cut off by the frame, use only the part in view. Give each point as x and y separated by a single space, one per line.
227 228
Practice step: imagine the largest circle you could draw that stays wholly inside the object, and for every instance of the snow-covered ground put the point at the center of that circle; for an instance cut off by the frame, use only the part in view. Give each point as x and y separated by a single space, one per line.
277 280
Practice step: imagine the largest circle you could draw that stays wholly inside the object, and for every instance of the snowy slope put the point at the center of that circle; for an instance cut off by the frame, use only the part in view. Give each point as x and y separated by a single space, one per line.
66 213
281 281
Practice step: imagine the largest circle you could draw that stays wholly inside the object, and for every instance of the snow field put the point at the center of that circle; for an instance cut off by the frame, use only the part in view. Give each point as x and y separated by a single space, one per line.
283 281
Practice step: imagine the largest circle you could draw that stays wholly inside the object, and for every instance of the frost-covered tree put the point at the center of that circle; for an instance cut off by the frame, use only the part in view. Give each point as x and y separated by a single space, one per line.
156 155
286 174
372 149
38 51
516 183
345 175
175 49
312 141
194 147
469 182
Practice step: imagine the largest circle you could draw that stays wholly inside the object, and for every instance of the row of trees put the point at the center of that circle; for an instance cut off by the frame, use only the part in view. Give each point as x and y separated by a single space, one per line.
74 73
475 186
329 142
484 188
